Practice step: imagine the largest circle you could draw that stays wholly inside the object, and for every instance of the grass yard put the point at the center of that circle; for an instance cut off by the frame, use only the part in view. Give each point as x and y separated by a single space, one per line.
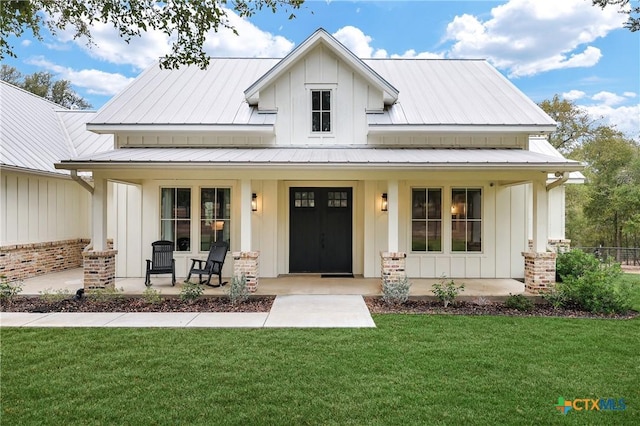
412 369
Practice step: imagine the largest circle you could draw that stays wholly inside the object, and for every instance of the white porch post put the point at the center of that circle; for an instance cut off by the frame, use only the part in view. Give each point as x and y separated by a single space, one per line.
99 214
245 261
540 217
393 221
245 215
393 262
99 261
539 264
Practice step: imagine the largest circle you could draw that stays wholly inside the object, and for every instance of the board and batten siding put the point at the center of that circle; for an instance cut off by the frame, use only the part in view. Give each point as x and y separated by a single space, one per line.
38 209
124 226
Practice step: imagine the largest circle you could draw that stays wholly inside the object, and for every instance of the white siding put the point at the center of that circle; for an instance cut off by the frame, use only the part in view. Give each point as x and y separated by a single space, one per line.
125 228
38 209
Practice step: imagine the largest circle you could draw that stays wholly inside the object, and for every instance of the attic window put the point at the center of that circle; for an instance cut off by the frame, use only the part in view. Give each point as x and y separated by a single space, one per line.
321 110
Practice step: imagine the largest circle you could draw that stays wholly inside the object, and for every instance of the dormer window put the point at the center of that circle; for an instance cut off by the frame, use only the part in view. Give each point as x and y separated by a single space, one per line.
321 110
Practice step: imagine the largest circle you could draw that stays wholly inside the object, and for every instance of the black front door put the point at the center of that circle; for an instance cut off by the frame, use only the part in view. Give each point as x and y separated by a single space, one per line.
320 230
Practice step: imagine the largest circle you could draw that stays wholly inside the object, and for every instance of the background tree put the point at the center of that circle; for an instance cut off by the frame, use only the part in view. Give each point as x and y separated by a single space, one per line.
633 21
44 85
574 124
186 22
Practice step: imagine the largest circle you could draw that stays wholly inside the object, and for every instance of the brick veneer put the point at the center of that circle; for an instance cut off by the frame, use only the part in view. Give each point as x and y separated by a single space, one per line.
393 266
539 271
559 246
22 261
246 263
99 268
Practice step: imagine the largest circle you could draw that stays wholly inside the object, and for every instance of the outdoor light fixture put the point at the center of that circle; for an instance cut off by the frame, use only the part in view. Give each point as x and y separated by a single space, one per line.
254 202
384 206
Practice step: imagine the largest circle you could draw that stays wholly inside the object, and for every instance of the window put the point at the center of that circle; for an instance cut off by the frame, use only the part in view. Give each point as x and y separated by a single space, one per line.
175 217
426 219
337 199
304 199
466 219
215 216
321 110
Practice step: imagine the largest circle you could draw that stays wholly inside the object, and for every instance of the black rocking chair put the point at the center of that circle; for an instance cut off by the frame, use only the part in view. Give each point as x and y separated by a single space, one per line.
162 261
212 266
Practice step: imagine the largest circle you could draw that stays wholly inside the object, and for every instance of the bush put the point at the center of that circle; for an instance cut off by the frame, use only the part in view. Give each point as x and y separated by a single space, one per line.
105 294
446 291
396 292
151 296
191 291
53 296
596 291
575 263
8 289
238 292
518 302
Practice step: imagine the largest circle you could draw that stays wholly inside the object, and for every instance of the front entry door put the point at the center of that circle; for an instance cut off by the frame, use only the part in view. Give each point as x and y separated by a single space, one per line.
320 230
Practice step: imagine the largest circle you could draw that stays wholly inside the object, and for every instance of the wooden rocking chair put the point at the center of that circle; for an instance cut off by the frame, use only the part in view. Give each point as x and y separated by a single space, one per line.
162 261
212 266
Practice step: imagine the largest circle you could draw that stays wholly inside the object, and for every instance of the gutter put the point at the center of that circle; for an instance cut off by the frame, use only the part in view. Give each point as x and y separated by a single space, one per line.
82 182
562 178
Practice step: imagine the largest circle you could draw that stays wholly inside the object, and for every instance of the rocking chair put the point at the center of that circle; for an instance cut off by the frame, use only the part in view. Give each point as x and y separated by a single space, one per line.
212 266
162 261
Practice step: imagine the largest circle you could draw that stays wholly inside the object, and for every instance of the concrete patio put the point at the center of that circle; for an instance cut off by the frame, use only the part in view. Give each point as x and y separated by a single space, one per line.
71 280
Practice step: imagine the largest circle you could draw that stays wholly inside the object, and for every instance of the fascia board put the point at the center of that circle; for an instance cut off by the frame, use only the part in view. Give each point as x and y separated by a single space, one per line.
252 129
403 129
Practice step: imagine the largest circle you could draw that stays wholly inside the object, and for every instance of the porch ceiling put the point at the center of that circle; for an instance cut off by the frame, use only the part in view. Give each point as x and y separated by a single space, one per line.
327 158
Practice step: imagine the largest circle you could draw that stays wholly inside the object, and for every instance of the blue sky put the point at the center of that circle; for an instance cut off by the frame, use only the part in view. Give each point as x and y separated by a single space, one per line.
545 47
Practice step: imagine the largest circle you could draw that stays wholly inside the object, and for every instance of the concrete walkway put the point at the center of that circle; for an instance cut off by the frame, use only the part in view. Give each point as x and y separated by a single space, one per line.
318 311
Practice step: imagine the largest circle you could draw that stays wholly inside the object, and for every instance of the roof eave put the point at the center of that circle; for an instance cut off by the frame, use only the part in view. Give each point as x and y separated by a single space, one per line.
395 129
250 129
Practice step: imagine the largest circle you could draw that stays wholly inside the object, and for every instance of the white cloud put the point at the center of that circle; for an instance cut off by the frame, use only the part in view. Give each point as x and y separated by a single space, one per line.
527 37
608 98
360 44
95 81
630 94
25 43
624 118
573 95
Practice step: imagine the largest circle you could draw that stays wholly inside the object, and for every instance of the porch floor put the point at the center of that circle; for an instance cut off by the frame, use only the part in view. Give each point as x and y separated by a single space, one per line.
71 280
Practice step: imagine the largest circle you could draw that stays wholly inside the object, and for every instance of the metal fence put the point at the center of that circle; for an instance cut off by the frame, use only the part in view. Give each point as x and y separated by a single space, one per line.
623 255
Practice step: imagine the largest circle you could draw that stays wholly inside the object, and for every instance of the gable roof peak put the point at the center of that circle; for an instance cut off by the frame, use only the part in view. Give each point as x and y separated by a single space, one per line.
321 36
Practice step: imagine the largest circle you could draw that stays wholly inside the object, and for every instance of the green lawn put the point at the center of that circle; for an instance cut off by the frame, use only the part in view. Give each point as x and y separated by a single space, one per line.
412 369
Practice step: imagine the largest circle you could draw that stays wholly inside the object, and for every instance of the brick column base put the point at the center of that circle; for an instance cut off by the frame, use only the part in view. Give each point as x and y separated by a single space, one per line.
393 266
246 263
559 246
539 271
99 269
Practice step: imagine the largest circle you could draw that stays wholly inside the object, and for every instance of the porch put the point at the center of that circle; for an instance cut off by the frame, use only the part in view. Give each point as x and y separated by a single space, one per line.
71 280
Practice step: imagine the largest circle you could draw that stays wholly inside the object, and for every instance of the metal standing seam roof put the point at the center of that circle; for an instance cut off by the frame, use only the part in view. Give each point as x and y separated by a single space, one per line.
431 93
36 133
345 157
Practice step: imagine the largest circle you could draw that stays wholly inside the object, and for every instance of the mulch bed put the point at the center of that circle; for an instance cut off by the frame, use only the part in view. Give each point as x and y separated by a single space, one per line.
263 304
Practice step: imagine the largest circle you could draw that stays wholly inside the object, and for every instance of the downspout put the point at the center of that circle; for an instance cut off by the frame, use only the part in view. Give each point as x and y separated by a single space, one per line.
562 178
82 182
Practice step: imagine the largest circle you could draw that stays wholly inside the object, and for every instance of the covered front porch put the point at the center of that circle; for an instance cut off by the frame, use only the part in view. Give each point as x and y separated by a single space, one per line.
71 280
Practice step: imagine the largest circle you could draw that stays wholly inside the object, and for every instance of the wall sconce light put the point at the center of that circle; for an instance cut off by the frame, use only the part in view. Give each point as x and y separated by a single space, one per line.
385 205
254 202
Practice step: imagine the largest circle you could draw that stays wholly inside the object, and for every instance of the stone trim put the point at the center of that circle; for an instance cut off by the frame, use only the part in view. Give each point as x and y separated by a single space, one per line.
22 261
393 266
559 246
246 263
99 269
539 271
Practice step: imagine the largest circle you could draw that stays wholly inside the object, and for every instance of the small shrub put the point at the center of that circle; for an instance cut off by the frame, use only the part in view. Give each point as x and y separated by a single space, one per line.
597 291
447 291
238 291
191 291
151 296
105 294
396 292
53 296
556 297
575 263
8 290
518 302
482 301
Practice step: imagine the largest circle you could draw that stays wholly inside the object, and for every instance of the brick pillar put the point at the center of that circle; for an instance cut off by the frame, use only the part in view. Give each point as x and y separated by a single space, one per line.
246 263
393 266
99 268
539 271
560 246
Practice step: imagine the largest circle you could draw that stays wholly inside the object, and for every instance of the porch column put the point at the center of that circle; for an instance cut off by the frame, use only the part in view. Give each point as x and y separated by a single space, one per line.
540 264
393 262
99 260
245 261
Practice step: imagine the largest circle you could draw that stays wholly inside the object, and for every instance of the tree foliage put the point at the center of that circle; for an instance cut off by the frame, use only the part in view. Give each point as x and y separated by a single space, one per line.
44 85
633 20
574 124
186 22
